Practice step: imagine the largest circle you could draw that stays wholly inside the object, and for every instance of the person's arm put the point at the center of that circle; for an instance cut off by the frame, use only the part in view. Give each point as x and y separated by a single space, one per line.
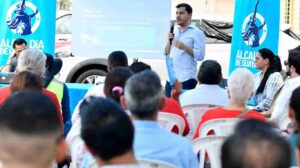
182 46
168 45
198 50
65 106
65 103
176 91
7 67
32 15
23 4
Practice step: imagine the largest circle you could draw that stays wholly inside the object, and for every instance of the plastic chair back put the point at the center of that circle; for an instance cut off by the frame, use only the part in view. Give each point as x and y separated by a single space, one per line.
169 120
221 127
284 122
212 146
194 115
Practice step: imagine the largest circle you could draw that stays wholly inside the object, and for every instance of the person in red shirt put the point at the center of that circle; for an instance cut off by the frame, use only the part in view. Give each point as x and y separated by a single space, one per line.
173 107
240 89
28 80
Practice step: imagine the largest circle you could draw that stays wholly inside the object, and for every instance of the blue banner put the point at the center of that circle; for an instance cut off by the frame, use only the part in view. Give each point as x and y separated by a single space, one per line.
256 26
32 20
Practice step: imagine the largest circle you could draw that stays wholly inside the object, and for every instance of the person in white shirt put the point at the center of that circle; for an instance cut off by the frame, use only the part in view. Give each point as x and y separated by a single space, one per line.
208 91
185 48
282 102
268 81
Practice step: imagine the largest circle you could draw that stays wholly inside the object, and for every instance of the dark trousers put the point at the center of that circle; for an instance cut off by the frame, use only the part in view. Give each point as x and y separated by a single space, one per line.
186 85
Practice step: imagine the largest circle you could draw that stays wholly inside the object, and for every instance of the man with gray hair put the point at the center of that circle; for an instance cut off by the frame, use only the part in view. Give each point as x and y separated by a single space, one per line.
240 89
144 98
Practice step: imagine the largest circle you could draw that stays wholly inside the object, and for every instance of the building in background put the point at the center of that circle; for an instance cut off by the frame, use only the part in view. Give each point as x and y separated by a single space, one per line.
290 14
65 5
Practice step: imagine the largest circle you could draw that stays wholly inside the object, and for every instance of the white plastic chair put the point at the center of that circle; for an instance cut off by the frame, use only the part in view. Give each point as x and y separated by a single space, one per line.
221 127
169 120
212 146
284 122
155 163
194 115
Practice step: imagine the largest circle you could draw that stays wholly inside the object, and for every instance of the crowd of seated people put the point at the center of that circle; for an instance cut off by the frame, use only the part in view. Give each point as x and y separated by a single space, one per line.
120 126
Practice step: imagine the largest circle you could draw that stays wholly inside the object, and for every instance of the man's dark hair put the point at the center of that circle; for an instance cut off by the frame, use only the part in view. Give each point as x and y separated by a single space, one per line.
255 144
117 58
105 128
137 67
295 103
143 93
187 7
29 112
294 58
210 72
29 129
19 41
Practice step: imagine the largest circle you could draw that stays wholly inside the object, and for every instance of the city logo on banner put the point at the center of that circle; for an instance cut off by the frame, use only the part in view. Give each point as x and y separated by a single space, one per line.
254 29
20 16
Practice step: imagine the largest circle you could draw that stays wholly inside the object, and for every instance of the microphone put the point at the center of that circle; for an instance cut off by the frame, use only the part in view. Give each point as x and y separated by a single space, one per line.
171 31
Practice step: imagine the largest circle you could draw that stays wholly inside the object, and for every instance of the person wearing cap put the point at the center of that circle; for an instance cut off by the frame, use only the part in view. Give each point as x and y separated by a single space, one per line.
53 66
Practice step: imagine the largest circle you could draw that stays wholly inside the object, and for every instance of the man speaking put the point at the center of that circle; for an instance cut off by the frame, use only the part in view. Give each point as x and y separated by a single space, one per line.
186 46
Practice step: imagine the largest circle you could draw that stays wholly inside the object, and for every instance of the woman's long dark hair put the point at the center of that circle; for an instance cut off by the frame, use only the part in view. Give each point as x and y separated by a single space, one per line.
275 66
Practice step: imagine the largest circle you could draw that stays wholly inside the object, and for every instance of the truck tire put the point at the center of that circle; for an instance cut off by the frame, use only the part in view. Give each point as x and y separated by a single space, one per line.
90 75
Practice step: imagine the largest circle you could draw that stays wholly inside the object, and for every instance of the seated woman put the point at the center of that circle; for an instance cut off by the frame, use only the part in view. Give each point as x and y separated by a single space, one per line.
240 89
268 81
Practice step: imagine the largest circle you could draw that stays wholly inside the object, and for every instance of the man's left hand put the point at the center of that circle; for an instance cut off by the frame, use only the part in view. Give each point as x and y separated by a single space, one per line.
179 44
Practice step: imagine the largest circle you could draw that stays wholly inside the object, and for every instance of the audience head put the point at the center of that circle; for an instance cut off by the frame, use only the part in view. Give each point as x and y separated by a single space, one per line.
255 144
137 67
293 62
19 45
210 73
32 60
53 65
294 108
30 131
105 128
115 59
240 81
144 95
268 61
26 80
115 82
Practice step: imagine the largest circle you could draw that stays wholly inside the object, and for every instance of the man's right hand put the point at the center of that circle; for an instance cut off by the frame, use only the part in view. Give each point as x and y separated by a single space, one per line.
9 61
168 46
12 55
171 35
